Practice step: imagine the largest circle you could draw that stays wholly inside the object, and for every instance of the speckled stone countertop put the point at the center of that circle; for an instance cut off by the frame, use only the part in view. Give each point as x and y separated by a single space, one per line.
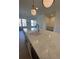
46 44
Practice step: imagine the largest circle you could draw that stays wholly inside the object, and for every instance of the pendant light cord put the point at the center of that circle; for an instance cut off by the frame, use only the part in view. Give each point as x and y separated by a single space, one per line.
33 6
33 2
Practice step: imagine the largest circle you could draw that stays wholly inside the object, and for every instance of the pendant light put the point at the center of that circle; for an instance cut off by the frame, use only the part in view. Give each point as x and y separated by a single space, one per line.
33 10
47 3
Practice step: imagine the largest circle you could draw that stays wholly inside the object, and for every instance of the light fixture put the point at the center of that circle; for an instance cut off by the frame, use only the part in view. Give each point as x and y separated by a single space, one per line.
48 3
33 10
36 8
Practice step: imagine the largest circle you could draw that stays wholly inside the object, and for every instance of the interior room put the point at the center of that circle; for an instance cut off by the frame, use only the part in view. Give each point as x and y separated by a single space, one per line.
39 29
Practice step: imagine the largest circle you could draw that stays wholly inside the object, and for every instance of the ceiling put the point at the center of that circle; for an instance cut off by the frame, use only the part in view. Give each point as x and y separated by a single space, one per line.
26 5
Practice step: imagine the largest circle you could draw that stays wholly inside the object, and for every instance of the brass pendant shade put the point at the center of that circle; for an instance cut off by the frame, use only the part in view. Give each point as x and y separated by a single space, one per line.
33 10
47 3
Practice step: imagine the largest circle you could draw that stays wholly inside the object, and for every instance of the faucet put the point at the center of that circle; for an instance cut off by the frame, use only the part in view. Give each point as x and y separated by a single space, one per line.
37 27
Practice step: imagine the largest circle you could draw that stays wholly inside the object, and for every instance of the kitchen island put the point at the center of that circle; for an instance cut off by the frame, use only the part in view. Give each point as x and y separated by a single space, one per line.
45 43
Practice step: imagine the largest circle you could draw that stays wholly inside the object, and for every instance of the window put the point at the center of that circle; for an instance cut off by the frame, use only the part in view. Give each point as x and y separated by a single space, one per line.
20 22
33 29
24 22
33 23
25 29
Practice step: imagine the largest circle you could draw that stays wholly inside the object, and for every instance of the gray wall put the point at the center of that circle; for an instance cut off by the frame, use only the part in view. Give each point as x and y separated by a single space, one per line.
40 21
57 24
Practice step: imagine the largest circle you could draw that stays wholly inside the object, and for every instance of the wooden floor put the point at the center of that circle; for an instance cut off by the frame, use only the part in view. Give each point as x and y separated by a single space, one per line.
23 51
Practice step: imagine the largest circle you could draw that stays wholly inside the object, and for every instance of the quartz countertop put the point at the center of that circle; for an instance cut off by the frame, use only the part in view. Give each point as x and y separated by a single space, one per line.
46 44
